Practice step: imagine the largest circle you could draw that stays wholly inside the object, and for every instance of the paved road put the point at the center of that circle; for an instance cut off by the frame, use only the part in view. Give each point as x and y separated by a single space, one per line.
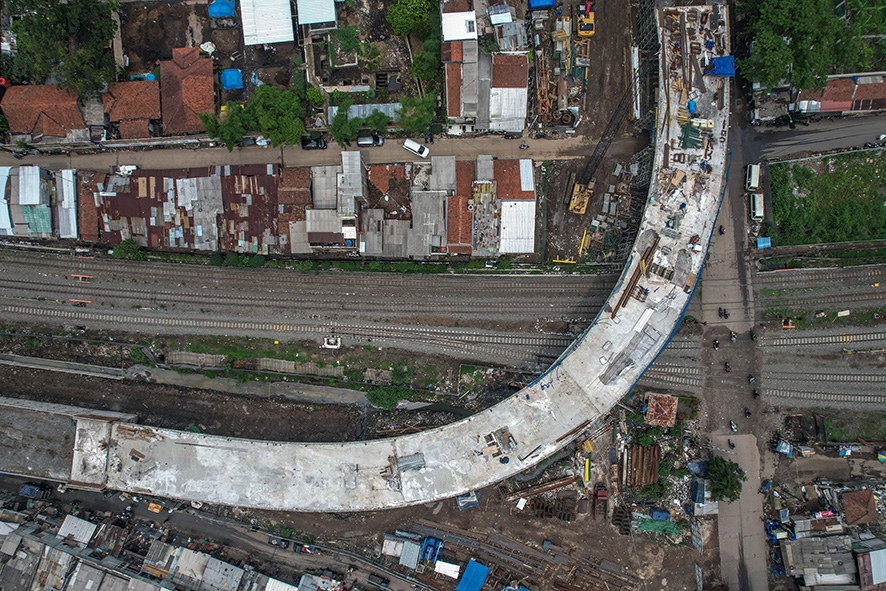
779 143
392 151
743 550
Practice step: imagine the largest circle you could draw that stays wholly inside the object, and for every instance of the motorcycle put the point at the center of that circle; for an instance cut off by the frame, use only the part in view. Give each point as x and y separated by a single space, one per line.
725 314
524 146
732 426
747 413
756 394
722 230
751 379
732 336
753 336
731 445
716 345
720 312
727 367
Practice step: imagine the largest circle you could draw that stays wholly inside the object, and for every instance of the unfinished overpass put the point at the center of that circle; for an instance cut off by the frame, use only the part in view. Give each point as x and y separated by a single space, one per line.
94 449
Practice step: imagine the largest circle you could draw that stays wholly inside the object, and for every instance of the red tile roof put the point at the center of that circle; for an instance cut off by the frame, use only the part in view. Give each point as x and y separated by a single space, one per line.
134 129
87 212
453 90
40 110
186 90
507 180
870 92
133 100
465 175
448 6
509 71
451 51
458 222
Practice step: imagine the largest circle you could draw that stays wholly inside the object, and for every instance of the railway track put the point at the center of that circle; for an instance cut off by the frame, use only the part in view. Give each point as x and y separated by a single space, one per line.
838 339
817 277
825 398
859 298
305 302
512 346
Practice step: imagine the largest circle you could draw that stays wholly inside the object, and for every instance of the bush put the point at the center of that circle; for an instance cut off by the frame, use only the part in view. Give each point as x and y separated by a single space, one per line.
401 374
316 96
354 375
726 480
387 396
232 260
256 260
129 249
347 38
217 259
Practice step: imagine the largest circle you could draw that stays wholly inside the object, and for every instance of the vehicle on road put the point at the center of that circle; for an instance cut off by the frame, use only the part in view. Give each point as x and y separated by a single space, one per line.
732 426
34 491
755 202
524 146
279 542
731 445
380 581
512 136
752 182
370 139
586 22
308 143
416 148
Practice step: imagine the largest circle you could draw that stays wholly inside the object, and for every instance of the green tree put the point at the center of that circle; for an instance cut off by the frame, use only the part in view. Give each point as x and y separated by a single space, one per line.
232 260
406 15
802 40
129 249
726 480
488 44
216 259
256 260
347 38
70 39
276 114
416 113
370 54
316 96
342 127
426 65
377 121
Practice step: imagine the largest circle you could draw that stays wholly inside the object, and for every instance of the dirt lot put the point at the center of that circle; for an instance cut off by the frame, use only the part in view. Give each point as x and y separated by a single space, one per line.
151 31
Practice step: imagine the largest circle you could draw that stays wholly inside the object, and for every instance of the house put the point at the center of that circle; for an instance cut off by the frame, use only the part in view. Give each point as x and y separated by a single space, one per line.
508 95
845 94
26 202
186 90
460 53
132 106
44 112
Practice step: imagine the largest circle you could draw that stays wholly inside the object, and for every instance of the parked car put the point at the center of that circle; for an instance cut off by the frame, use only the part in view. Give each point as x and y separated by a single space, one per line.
416 148
370 139
308 143
279 542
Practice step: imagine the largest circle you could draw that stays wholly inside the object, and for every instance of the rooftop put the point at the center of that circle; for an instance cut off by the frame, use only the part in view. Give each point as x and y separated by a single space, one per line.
187 90
132 100
42 110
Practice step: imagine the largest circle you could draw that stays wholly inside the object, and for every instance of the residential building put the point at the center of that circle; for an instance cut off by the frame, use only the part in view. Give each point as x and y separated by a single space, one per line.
267 21
44 112
508 95
36 203
186 90
845 94
316 15
133 107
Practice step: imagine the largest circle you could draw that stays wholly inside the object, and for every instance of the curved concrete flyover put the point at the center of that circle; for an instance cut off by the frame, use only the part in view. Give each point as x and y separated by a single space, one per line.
592 375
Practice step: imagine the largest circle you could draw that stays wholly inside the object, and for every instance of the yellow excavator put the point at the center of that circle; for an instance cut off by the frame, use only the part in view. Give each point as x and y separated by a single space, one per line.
586 22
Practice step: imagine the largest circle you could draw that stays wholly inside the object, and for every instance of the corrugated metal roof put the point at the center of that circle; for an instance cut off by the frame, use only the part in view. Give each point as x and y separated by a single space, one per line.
10 544
392 546
5 220
323 221
410 554
112 583
507 108
66 189
221 576
85 578
517 227
392 110
324 181
277 585
29 185
442 173
527 175
312 12
76 529
878 566
268 21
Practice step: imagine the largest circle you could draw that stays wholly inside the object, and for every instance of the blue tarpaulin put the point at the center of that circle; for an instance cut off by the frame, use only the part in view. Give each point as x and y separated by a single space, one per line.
231 79
540 4
723 66
221 8
473 578
764 242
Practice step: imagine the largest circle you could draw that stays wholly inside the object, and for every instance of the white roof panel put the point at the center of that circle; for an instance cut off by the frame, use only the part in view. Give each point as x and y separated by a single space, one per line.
527 175
267 21
315 11
5 221
67 190
76 529
459 25
277 585
447 569
517 227
878 566
29 185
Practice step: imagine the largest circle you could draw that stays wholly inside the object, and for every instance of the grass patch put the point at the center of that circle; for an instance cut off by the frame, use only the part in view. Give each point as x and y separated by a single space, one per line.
838 198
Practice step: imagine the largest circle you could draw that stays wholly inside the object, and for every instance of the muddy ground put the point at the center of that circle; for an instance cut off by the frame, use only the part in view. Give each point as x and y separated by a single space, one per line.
150 31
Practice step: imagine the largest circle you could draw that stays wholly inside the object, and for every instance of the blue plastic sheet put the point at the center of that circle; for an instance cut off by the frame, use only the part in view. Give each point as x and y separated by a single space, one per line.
221 8
473 578
723 66
231 79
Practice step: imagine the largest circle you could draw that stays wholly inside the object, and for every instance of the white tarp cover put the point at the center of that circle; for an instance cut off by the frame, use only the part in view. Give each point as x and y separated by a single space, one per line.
312 12
447 569
29 185
67 190
267 21
517 227
459 25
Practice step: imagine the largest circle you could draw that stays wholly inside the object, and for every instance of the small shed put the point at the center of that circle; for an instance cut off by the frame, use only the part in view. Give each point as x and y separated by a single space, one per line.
661 410
859 507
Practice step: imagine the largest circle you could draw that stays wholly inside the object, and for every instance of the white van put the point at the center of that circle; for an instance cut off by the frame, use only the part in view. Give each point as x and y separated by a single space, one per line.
752 183
756 200
416 148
